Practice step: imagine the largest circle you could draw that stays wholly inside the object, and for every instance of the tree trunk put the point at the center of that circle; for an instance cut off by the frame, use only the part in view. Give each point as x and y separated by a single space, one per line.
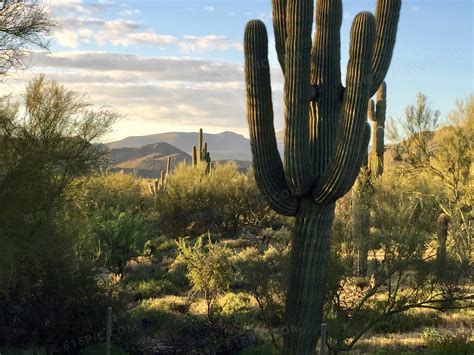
306 289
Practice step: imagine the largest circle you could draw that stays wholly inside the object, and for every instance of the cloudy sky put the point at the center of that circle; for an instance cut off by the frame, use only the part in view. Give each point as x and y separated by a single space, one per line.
174 65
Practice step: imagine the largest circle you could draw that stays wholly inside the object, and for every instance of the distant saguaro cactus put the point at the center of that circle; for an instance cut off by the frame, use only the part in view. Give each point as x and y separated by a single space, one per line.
201 154
377 114
442 234
362 190
360 218
159 185
326 133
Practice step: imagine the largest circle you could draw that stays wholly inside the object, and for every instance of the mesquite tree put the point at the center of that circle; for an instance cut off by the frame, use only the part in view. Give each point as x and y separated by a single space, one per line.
326 133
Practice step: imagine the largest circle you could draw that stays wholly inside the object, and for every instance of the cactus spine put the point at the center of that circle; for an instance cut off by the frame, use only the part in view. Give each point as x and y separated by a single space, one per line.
326 134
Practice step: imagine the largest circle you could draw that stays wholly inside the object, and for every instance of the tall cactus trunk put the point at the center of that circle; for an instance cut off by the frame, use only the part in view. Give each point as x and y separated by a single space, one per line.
360 228
306 291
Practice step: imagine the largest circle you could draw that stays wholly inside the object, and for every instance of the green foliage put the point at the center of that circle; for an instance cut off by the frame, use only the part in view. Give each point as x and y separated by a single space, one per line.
444 157
448 344
264 273
48 292
401 273
150 288
162 313
407 322
208 267
42 151
120 236
195 202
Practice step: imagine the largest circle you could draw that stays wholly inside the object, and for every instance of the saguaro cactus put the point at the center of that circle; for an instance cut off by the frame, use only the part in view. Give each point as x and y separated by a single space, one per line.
377 114
442 234
326 133
360 217
363 188
201 153
195 159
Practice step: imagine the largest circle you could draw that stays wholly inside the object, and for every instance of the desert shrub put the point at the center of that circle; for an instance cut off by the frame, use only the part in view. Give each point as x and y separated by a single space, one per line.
195 202
208 270
177 274
448 344
119 191
66 304
263 272
408 321
119 236
150 288
401 274
236 307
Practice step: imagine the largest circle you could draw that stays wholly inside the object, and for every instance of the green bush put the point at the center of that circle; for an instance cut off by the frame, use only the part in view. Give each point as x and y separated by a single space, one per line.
195 202
448 344
236 307
407 321
151 288
120 236
161 313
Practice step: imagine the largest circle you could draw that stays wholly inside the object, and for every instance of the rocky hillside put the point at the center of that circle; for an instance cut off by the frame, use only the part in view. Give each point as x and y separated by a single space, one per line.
146 161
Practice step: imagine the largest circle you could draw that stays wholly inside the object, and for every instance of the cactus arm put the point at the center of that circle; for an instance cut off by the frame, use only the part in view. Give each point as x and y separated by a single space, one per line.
343 168
268 166
279 27
326 76
200 148
387 15
298 165
361 159
371 111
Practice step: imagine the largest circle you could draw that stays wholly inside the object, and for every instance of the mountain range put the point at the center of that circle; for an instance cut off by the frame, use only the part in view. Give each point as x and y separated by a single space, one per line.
146 156
223 146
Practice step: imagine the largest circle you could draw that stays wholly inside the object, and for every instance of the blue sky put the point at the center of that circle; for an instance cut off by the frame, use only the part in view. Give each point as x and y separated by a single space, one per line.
175 65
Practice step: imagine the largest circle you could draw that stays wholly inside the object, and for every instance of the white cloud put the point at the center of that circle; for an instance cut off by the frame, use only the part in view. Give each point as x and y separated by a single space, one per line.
74 29
208 43
414 8
130 12
209 8
153 92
